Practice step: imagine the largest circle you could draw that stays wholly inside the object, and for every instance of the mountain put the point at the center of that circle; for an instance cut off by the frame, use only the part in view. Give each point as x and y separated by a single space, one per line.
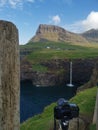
91 35
57 34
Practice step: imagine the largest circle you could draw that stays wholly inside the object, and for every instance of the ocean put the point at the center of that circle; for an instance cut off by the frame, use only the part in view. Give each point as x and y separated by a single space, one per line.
33 99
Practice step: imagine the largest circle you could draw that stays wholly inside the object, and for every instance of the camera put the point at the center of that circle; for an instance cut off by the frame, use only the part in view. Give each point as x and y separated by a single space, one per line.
65 110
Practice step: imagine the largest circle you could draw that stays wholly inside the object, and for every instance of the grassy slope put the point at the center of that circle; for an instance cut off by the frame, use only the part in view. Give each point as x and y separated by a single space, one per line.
59 51
40 52
85 100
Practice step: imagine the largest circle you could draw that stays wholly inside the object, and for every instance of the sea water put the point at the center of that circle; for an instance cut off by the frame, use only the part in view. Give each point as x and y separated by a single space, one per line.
33 99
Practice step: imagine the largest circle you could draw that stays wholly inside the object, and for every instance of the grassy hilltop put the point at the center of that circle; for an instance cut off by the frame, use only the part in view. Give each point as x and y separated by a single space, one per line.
52 50
47 51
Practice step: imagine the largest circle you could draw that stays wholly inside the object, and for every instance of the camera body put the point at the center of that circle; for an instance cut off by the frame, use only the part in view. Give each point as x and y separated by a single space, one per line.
65 110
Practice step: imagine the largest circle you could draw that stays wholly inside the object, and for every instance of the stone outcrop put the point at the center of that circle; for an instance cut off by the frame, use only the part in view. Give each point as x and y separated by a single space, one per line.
58 72
9 77
57 34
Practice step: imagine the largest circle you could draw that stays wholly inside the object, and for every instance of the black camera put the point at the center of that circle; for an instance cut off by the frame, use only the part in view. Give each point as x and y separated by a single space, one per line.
65 110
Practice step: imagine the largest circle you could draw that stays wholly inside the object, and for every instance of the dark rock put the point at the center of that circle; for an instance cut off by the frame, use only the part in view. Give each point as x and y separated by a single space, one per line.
93 81
58 72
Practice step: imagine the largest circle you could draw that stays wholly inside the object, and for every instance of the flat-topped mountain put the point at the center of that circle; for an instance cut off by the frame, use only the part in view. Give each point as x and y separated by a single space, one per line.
91 35
56 34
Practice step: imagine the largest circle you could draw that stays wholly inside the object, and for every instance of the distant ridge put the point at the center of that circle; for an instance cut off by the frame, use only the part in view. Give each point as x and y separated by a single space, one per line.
56 34
91 35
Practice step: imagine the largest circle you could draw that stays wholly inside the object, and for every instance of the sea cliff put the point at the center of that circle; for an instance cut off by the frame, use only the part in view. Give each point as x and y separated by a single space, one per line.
58 72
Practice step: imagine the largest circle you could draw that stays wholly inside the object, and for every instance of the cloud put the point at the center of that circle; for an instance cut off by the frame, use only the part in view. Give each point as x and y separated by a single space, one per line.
91 22
16 3
12 3
56 19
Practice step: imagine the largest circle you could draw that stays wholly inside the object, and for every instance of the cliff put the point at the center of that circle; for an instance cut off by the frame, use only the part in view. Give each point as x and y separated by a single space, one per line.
93 81
54 33
58 72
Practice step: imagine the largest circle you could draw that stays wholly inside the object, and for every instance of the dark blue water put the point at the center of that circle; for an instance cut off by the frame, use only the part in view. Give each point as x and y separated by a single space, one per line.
34 99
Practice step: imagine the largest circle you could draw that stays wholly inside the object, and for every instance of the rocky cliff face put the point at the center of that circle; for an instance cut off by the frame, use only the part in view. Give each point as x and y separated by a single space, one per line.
59 72
57 34
93 81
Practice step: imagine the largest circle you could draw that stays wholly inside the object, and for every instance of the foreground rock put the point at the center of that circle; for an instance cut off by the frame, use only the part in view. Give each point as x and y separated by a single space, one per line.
78 124
9 77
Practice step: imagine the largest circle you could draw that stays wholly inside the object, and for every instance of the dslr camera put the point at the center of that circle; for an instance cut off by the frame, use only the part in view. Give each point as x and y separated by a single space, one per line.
65 110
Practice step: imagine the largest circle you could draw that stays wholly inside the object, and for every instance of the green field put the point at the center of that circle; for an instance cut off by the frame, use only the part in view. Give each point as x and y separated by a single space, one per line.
45 52
57 50
85 100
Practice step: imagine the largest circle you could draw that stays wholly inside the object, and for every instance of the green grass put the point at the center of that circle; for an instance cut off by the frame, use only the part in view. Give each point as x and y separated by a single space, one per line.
58 51
39 68
42 121
92 127
44 55
85 100
56 45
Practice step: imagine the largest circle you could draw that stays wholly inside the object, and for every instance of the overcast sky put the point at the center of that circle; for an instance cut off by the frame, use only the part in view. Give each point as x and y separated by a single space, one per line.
73 15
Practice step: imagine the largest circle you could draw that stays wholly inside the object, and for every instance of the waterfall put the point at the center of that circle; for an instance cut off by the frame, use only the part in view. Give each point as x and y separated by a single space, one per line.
70 77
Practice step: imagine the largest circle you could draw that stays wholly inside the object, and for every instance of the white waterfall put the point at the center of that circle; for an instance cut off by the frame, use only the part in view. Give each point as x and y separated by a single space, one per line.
70 83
